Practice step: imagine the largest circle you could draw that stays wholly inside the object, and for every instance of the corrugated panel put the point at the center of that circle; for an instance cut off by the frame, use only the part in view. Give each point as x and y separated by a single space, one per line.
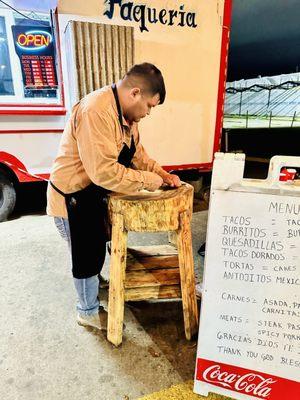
103 54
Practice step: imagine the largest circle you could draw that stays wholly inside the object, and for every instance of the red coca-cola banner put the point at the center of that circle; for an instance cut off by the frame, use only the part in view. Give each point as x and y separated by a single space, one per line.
252 383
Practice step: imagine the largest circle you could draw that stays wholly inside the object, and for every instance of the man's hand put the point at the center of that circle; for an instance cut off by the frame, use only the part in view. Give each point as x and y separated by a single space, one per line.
155 183
171 180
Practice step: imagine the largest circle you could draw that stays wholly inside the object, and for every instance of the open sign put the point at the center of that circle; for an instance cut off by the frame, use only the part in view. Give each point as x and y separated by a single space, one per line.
33 40
35 48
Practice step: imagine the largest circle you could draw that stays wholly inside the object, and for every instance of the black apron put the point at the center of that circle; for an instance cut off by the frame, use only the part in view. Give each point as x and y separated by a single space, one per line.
88 218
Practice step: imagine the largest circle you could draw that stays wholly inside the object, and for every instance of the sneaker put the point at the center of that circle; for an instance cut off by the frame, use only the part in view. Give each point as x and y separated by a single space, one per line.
98 321
103 283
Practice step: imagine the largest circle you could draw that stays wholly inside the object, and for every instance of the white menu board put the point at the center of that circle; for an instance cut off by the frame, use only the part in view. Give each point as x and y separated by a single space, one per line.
249 336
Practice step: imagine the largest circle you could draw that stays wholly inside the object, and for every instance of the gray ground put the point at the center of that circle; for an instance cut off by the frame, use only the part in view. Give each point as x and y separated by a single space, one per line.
45 355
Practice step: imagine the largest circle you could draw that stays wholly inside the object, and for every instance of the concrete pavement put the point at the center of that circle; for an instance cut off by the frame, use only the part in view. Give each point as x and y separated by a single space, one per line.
45 355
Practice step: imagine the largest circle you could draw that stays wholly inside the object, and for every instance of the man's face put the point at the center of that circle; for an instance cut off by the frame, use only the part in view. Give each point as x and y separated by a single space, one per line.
139 105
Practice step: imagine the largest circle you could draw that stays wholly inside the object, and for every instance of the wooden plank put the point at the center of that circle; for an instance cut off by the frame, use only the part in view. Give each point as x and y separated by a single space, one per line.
129 46
102 54
122 49
80 59
187 275
117 278
155 262
116 53
150 251
95 56
158 277
108 54
88 53
147 293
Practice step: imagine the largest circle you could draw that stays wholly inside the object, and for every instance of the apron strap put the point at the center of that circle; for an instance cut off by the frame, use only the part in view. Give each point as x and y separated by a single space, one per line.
58 190
115 92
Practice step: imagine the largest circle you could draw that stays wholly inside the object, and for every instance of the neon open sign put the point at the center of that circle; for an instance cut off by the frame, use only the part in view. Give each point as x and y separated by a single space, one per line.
34 40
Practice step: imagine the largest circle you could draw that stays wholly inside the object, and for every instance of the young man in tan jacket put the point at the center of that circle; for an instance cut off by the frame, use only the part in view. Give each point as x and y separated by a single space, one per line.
100 151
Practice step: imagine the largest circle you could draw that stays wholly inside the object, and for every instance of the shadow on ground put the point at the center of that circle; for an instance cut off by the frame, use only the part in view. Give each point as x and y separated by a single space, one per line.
163 322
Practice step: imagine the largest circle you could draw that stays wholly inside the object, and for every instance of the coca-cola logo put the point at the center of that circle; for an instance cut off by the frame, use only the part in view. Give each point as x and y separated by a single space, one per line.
250 383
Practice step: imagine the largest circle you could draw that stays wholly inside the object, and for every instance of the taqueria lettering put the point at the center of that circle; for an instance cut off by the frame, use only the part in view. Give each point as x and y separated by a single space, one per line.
149 15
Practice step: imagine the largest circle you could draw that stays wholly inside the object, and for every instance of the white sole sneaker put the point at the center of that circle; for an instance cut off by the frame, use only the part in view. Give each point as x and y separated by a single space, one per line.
92 321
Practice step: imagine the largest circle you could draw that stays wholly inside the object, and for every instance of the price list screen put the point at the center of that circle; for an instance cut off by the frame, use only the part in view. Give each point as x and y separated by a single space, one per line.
39 71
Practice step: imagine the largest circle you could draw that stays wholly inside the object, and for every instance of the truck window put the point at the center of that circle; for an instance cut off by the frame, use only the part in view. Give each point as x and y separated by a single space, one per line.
6 83
28 48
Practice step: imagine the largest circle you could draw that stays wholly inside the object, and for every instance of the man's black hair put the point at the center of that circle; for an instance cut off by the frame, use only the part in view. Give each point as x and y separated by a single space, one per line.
151 77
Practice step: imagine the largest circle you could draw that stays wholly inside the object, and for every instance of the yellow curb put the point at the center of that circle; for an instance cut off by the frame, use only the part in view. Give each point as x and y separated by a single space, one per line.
184 391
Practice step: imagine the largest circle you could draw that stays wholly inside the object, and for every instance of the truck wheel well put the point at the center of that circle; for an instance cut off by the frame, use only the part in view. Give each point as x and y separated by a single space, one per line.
9 173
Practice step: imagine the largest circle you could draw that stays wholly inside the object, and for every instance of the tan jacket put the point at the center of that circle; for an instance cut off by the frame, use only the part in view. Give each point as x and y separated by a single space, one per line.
89 149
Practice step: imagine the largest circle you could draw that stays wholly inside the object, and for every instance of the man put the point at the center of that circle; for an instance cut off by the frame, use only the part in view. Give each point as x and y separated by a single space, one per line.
100 151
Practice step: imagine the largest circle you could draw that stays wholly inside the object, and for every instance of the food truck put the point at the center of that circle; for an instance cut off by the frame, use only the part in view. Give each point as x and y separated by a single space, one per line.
54 53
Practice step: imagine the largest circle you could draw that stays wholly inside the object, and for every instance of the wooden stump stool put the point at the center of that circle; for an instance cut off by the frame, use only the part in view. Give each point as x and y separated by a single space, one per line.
151 272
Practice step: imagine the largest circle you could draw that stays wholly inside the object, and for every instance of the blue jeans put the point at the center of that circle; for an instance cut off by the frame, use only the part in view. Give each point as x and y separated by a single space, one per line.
87 289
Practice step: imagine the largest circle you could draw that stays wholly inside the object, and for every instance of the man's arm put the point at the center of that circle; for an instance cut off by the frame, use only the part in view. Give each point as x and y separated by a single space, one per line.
99 154
143 162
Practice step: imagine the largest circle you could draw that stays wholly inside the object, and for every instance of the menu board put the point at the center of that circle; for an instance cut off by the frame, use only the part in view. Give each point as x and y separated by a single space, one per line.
35 48
249 336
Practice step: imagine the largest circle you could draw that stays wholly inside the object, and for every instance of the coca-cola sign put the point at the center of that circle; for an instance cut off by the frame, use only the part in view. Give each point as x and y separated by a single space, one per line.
251 383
